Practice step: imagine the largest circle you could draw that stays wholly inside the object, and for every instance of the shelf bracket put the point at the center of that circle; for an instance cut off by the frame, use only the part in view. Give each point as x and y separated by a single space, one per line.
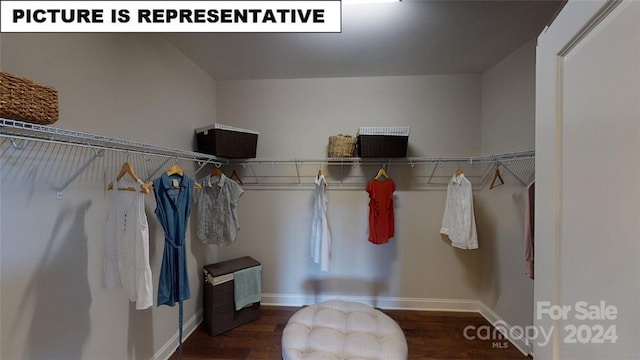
202 164
19 146
298 172
96 154
254 174
433 172
156 170
511 172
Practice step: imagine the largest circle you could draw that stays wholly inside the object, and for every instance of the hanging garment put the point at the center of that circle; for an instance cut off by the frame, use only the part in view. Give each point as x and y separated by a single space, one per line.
217 219
529 212
173 199
320 235
126 261
458 221
381 218
173 207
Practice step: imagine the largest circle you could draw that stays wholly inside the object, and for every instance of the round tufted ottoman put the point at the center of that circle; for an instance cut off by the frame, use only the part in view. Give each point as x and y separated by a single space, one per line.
337 330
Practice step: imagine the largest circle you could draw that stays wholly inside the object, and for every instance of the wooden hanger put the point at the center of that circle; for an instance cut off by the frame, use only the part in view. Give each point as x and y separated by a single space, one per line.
128 169
215 172
235 174
458 172
324 179
381 173
177 170
496 175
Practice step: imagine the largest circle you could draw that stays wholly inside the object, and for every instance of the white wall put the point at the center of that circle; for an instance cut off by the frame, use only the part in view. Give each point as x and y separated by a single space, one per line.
135 87
295 118
508 122
508 103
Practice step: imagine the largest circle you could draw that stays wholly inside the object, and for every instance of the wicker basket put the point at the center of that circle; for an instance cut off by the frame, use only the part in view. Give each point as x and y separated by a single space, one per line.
341 146
219 313
25 100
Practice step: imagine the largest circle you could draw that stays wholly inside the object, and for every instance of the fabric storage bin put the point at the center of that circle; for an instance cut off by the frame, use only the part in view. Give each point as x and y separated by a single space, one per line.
383 142
219 311
227 141
25 100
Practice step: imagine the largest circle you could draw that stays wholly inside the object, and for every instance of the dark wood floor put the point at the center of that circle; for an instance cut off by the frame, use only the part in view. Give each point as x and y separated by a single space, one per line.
430 335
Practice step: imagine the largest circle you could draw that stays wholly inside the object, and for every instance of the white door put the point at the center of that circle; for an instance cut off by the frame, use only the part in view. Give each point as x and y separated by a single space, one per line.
587 228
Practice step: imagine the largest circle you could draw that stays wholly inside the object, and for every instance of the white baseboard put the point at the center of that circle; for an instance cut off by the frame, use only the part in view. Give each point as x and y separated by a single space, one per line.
172 344
397 303
520 342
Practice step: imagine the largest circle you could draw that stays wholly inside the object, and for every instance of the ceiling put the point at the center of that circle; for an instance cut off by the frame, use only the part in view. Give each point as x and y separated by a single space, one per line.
419 37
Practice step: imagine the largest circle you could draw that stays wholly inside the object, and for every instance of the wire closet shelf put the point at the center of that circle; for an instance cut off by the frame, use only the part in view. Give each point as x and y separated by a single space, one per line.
347 173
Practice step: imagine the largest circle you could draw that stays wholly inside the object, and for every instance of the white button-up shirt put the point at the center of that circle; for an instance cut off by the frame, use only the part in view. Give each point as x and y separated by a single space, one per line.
458 221
320 235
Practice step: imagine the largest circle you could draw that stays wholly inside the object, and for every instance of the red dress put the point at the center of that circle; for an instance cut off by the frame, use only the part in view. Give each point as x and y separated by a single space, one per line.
381 210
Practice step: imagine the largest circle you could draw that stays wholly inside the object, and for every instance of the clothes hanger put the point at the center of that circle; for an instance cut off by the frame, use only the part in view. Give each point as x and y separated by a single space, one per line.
177 170
324 179
496 175
458 172
235 174
381 173
128 169
216 172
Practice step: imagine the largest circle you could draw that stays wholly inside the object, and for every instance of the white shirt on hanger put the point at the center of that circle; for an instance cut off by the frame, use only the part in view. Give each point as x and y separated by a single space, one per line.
320 236
458 221
126 262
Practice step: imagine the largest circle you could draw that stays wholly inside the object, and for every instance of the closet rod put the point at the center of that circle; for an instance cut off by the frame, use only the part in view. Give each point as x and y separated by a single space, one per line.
517 155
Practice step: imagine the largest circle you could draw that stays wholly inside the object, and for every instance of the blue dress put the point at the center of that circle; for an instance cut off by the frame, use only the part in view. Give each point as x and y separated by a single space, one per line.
173 209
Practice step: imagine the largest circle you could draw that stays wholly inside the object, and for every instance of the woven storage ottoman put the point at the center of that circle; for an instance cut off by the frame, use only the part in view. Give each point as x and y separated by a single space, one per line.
227 141
219 310
383 142
342 330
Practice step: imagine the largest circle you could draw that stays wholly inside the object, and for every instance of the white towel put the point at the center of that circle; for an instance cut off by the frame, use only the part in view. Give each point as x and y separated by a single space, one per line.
247 286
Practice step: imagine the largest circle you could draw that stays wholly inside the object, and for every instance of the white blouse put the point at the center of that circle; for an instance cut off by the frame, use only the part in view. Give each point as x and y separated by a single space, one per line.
458 221
320 236
126 261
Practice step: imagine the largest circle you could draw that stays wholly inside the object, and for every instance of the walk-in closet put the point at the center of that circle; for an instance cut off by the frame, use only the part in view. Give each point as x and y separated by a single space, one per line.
511 101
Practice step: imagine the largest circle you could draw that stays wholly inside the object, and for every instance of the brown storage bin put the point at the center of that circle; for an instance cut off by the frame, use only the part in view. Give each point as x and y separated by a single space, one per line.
25 100
226 141
383 142
219 311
